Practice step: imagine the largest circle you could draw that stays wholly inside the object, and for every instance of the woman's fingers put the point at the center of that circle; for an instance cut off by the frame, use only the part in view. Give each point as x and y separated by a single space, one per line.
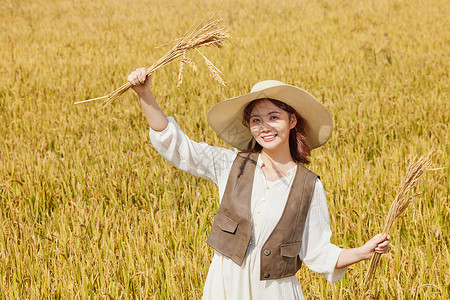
383 244
132 78
383 247
382 250
137 77
139 80
142 75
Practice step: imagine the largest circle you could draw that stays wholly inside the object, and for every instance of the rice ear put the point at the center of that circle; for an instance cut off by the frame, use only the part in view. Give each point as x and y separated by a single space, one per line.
211 34
191 63
416 169
213 69
180 74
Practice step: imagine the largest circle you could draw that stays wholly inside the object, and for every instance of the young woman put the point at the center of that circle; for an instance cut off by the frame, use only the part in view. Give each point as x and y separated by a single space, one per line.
273 213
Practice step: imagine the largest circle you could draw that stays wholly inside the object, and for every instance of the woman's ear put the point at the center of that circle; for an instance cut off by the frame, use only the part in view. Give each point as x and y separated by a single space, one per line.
292 121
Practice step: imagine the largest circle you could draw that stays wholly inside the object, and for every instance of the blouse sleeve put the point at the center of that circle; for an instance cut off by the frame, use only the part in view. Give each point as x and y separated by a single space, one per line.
198 159
317 252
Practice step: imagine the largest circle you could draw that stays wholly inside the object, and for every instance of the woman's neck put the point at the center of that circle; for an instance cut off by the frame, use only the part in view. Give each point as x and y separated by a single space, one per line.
277 160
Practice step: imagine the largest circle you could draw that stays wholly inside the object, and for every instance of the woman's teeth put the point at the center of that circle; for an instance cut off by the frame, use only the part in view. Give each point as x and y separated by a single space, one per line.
269 138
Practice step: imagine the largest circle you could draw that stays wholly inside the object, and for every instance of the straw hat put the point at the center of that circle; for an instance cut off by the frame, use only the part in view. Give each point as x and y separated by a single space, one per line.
226 116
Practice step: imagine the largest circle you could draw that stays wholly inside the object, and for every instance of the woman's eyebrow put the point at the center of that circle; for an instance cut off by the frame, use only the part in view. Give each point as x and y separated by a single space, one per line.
273 112
269 113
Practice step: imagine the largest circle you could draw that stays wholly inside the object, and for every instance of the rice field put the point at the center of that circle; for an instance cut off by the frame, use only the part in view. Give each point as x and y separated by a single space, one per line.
88 209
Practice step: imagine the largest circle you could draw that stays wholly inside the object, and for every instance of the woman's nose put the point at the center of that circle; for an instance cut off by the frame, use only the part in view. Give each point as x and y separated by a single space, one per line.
264 126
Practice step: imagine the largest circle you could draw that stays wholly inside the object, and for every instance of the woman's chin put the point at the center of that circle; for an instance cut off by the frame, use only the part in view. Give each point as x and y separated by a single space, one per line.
270 145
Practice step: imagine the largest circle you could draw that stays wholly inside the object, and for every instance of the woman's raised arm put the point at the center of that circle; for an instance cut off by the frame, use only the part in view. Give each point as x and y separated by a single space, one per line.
141 85
198 159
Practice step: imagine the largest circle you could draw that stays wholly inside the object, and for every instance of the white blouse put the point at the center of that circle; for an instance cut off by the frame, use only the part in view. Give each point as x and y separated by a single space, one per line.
226 279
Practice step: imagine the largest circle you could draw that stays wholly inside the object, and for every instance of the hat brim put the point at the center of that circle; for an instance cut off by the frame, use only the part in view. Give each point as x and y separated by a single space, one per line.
225 117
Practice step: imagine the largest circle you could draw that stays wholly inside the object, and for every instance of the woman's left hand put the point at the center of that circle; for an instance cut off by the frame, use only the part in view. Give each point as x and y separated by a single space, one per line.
378 244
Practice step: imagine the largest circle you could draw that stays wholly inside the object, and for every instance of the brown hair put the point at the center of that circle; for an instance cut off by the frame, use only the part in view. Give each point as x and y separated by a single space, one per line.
298 144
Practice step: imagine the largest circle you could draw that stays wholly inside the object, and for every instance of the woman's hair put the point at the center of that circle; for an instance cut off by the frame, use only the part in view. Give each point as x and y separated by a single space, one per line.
298 145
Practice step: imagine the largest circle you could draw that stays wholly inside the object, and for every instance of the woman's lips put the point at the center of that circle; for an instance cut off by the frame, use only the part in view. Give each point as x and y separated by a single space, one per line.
269 138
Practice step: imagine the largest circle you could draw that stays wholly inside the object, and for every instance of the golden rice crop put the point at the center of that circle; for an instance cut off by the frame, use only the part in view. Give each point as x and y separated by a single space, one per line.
88 209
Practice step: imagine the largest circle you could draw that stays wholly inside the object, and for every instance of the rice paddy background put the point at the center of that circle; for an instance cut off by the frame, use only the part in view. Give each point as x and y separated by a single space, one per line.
88 209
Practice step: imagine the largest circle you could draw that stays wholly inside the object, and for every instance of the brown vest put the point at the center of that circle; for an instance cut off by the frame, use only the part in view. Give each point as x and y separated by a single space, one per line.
231 230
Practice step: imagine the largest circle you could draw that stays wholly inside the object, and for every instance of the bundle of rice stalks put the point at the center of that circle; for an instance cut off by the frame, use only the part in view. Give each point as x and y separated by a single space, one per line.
398 206
212 34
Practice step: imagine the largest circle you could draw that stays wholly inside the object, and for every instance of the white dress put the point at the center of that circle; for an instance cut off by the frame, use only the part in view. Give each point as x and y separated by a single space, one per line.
226 279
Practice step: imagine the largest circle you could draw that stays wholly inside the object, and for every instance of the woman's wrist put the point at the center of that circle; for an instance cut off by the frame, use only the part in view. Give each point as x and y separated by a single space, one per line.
363 254
145 95
351 256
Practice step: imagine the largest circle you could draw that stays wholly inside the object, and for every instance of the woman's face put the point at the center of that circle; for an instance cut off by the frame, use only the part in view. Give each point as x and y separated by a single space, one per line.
270 125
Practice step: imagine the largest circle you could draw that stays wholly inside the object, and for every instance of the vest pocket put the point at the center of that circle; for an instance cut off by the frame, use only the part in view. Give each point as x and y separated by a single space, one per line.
291 250
225 223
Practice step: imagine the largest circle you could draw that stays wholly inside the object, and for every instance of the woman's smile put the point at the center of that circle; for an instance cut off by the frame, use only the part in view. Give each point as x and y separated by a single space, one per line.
269 138
270 125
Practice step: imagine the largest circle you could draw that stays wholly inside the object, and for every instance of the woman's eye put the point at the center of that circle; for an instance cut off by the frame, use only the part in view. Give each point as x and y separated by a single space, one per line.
274 117
255 120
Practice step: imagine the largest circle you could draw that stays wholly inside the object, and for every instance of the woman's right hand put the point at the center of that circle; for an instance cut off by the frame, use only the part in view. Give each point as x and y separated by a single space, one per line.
140 81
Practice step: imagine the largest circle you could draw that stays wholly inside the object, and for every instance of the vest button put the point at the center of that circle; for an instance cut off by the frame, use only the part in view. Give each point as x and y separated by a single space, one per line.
267 252
266 274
